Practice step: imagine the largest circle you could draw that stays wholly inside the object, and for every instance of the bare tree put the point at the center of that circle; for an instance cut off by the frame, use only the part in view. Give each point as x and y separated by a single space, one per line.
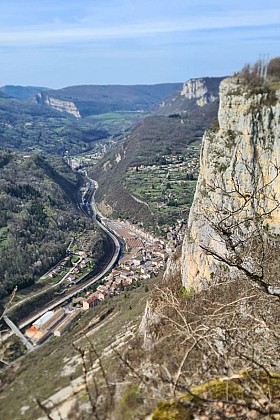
221 337
241 224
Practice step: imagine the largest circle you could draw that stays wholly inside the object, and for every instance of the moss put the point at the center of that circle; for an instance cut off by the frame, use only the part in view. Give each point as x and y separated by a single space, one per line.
248 387
185 293
173 410
219 390
128 404
83 398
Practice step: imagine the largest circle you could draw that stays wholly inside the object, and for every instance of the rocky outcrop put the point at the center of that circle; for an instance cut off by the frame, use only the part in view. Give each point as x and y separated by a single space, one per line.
147 327
234 223
201 90
173 266
234 231
193 94
58 104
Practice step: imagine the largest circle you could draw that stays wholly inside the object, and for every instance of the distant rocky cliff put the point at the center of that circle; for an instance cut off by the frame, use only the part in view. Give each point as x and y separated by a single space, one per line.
193 93
99 99
58 104
203 90
234 223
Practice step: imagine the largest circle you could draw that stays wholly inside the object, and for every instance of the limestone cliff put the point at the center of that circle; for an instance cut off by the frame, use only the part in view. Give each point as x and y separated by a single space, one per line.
200 90
58 104
234 223
193 94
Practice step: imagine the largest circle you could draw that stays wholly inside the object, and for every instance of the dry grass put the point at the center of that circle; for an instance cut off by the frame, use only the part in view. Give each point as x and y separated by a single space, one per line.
42 373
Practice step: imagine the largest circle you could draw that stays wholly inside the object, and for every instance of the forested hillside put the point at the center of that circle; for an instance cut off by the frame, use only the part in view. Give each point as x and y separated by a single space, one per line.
74 118
149 143
38 216
31 127
98 99
21 92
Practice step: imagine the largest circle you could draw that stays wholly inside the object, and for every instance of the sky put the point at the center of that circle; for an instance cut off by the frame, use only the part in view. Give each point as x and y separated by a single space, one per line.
57 43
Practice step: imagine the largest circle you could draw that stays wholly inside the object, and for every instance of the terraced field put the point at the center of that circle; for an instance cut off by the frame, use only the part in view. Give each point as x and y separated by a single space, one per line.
168 187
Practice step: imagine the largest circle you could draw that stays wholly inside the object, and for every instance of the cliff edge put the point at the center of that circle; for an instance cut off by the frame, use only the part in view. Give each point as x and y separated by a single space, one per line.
194 93
234 223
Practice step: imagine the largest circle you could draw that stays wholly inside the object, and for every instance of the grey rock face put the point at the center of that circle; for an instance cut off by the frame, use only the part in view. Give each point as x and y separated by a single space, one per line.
238 190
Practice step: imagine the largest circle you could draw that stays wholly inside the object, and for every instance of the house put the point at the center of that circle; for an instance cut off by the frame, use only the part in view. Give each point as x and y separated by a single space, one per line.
160 253
145 274
137 260
157 262
127 281
90 302
81 253
100 295
148 265
82 264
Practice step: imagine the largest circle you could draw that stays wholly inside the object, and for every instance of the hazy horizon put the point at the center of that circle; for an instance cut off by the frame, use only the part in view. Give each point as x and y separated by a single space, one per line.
124 42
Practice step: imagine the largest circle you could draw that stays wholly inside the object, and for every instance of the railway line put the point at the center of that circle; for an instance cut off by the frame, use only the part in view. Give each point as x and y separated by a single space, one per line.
88 208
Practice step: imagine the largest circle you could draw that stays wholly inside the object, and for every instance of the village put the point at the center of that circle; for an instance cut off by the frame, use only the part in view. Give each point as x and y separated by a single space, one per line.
144 256
88 159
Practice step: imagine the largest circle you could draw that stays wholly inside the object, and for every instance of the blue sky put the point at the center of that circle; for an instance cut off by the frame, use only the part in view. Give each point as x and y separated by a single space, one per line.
62 42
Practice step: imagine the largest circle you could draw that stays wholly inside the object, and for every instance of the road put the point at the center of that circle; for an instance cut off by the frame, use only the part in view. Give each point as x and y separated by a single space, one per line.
54 286
88 207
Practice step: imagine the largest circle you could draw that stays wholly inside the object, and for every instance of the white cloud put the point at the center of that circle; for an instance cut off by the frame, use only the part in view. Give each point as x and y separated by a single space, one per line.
57 33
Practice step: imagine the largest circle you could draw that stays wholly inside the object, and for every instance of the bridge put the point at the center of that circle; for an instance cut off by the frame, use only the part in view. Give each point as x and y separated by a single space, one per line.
15 329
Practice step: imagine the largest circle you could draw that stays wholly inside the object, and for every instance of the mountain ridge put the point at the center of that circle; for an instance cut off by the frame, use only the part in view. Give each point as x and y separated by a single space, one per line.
98 99
195 92
21 92
144 145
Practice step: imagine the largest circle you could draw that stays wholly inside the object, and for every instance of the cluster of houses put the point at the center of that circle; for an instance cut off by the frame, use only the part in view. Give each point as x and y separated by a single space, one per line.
89 159
71 272
146 256
141 263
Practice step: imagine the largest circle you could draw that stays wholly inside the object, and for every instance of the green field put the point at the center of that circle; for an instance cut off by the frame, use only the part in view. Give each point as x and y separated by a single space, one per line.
114 122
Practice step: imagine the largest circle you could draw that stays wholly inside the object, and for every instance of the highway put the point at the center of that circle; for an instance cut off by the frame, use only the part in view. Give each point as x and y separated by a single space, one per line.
88 207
